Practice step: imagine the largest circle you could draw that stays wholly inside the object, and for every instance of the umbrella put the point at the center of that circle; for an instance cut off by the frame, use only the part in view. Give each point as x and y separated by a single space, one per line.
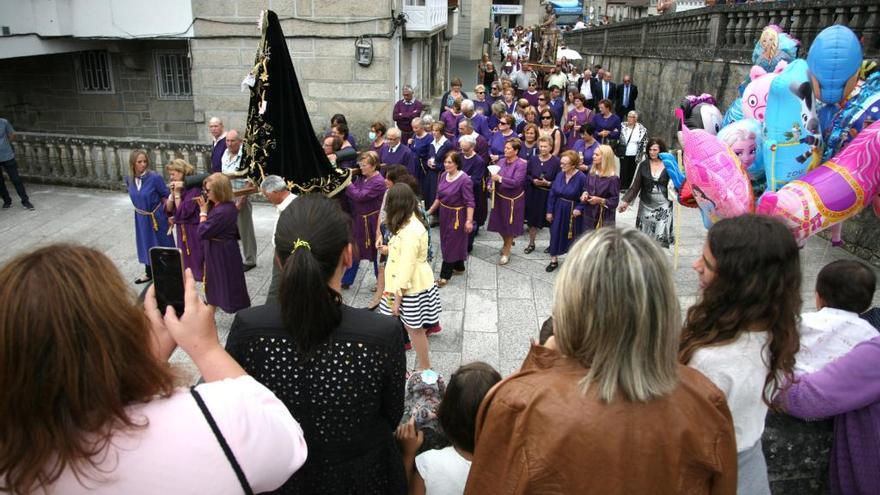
568 53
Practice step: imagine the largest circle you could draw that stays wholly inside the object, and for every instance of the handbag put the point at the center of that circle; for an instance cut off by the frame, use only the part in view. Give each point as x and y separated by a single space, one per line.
620 148
230 456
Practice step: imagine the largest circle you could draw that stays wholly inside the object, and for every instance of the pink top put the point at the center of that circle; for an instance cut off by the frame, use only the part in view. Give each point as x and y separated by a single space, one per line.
178 453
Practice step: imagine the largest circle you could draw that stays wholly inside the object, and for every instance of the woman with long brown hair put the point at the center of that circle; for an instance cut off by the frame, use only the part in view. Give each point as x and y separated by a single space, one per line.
89 403
184 211
742 334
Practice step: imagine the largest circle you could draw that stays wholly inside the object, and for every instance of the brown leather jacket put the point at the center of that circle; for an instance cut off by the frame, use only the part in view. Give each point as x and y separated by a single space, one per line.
537 433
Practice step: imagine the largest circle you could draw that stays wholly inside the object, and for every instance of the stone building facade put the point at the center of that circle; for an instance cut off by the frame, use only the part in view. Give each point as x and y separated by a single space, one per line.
101 84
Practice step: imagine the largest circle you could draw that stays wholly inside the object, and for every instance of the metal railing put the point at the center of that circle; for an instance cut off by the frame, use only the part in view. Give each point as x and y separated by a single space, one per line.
97 161
728 32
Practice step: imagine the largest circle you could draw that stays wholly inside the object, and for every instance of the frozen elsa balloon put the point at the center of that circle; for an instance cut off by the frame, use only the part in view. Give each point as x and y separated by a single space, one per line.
744 138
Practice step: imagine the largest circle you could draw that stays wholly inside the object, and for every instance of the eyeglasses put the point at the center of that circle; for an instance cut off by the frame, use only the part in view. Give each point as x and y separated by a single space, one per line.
546 117
503 123
542 99
481 92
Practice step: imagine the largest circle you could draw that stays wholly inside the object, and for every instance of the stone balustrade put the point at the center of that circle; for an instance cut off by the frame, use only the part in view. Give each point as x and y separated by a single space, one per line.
97 161
728 32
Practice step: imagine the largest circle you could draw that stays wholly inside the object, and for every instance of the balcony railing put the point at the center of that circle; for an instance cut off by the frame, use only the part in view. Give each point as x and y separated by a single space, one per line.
93 161
729 32
425 17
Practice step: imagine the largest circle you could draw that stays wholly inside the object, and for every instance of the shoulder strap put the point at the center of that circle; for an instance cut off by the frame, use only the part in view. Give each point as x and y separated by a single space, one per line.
242 479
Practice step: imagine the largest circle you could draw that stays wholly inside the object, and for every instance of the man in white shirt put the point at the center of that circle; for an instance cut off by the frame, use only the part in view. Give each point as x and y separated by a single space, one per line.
844 289
586 87
275 190
230 163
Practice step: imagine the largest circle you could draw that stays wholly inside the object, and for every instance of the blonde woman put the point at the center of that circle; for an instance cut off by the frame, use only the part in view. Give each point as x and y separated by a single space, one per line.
225 286
184 211
612 359
602 191
148 194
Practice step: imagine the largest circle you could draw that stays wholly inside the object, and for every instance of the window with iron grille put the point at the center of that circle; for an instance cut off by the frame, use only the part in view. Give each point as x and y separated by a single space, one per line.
94 73
173 75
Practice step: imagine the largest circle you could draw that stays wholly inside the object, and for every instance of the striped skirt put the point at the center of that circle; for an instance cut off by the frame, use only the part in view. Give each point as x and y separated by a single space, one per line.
417 310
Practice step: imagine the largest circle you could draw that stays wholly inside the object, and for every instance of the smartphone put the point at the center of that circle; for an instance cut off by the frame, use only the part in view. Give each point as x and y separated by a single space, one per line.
167 266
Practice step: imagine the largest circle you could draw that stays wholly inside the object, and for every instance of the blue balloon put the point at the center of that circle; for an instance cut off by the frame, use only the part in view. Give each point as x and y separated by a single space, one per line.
676 175
835 57
734 112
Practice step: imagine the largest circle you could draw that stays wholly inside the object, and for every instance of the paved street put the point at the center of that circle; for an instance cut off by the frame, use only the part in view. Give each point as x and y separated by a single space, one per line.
490 313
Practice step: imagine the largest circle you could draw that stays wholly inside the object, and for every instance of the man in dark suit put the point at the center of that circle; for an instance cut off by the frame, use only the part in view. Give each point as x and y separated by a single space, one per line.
626 97
607 89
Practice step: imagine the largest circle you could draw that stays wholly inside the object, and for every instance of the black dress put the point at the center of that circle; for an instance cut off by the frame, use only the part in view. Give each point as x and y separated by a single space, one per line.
347 396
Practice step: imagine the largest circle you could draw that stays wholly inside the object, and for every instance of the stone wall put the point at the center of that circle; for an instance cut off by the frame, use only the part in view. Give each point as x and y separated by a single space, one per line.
321 36
40 94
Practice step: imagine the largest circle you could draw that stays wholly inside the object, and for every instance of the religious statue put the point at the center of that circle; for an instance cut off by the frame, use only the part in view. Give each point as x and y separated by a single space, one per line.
549 34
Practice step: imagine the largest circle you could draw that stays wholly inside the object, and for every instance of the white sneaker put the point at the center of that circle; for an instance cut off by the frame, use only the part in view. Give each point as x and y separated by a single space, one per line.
504 260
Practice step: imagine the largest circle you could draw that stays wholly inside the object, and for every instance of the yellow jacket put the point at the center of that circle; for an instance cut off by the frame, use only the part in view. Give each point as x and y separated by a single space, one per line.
407 270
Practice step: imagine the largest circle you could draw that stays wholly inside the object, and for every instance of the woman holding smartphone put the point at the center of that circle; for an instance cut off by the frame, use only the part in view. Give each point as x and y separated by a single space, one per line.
225 286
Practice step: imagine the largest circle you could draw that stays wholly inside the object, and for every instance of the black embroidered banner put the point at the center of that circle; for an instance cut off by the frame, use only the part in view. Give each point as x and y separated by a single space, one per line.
279 138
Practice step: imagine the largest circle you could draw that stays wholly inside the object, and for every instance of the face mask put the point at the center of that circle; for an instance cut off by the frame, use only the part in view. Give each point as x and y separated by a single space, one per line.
372 136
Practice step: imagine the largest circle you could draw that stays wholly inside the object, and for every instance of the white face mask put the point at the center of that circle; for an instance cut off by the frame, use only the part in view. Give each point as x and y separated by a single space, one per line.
372 136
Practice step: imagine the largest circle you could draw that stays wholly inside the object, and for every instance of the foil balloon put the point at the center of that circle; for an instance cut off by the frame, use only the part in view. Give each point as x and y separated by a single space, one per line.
774 46
792 137
700 112
672 169
754 98
734 112
745 138
861 110
836 190
834 59
720 185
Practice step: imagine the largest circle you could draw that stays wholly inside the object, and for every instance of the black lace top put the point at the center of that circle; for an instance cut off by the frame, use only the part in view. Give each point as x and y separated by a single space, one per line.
347 396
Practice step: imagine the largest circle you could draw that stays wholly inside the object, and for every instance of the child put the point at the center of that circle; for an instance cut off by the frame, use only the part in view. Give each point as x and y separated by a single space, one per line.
844 289
445 471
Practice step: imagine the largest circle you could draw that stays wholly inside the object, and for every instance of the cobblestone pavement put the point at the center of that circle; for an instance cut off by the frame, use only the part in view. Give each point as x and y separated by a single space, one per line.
490 313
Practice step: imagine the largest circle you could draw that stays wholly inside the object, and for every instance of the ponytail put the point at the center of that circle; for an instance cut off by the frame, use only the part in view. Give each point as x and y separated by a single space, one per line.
311 235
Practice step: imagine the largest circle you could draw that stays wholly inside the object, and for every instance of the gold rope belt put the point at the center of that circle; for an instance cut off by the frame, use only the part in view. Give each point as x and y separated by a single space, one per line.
512 202
601 216
570 217
183 237
456 209
151 214
367 227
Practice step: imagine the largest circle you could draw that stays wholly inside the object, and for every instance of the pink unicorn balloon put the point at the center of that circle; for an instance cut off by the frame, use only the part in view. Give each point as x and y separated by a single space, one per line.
754 98
720 185
836 190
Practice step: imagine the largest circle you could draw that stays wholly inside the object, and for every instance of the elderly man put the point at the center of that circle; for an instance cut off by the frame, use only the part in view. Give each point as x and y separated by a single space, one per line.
626 97
557 79
215 126
396 153
607 88
405 110
275 190
229 164
480 122
585 86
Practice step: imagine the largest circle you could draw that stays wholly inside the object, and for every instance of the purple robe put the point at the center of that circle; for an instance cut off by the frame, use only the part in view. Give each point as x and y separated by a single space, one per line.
562 201
536 197
429 181
403 156
484 107
481 126
217 155
532 98
419 148
496 143
365 196
451 120
455 198
475 168
610 124
378 149
403 114
150 219
186 222
604 187
225 286
585 151
350 162
526 151
577 119
558 107
510 204
846 389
